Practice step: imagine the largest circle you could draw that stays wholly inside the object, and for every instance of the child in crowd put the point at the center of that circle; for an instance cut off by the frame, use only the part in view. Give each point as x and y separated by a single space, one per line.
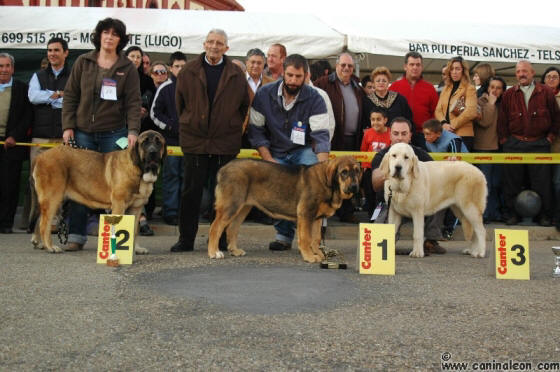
375 139
440 140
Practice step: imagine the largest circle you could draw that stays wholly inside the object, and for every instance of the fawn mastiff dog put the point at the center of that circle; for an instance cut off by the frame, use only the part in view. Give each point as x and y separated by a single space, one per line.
304 194
423 188
119 180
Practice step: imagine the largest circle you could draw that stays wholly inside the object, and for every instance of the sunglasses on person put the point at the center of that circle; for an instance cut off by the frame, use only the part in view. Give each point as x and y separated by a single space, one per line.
160 72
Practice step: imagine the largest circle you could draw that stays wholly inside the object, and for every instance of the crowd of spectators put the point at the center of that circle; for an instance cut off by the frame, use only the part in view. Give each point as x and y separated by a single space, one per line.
290 111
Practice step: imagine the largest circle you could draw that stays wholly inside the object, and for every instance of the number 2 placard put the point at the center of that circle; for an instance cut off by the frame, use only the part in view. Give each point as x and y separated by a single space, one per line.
124 234
512 254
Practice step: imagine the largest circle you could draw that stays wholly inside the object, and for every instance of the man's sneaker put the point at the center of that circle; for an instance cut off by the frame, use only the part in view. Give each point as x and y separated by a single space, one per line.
277 245
433 247
73 247
181 247
145 229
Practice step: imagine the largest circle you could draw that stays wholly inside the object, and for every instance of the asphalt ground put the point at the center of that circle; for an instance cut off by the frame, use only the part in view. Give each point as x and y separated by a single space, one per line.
268 310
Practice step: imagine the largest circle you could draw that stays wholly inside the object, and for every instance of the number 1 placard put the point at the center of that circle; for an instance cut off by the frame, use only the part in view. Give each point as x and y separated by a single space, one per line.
376 249
512 254
124 233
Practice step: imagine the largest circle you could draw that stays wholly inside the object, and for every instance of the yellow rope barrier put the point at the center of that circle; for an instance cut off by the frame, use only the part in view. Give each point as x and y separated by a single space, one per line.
470 157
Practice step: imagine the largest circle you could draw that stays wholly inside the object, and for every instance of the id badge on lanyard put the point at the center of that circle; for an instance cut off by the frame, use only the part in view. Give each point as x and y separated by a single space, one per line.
109 89
298 133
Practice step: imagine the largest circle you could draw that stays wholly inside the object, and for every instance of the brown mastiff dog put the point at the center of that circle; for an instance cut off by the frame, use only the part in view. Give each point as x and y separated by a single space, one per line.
120 180
304 194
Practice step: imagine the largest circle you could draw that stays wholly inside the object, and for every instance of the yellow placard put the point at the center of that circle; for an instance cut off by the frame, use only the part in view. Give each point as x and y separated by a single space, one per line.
124 233
376 249
512 254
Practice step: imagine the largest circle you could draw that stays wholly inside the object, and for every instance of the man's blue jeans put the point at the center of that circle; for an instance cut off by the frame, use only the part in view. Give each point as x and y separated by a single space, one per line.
285 230
100 142
171 185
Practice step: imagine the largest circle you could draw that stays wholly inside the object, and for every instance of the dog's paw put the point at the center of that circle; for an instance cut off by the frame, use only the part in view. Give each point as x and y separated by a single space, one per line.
474 253
54 249
416 254
237 252
218 255
37 244
313 258
141 250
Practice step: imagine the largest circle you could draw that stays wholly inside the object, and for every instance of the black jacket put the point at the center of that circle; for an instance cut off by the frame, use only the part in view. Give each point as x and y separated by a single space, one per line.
19 120
47 122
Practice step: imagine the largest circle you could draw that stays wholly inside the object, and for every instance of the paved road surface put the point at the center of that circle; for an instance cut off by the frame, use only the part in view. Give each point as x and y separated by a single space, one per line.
267 311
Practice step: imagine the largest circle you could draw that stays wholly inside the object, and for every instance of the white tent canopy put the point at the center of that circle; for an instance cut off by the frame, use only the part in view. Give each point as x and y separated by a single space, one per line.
443 40
377 42
166 31
384 42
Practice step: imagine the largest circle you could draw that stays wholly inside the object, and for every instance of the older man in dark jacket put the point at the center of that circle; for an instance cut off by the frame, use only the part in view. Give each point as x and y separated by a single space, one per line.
528 121
15 120
346 97
212 101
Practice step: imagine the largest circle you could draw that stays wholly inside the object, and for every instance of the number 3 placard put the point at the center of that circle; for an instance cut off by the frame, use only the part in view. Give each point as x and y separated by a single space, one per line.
124 233
512 254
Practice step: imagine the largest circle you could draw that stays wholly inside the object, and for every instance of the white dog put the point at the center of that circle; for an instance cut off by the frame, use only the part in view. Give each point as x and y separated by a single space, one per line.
423 188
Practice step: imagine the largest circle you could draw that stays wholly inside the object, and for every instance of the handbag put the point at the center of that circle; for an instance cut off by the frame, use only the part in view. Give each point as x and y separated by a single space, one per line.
459 106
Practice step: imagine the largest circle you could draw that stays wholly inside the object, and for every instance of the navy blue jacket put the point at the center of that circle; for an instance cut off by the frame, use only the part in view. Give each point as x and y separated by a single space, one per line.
270 125
164 111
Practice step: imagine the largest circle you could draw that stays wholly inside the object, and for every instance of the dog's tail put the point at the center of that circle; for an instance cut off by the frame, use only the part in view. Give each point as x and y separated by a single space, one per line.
35 211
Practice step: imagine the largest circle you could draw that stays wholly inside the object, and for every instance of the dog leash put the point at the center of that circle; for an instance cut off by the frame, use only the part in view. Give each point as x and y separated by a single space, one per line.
386 219
333 258
62 226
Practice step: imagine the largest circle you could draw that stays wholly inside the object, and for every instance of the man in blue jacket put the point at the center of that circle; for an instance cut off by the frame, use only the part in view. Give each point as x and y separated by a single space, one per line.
289 124
164 114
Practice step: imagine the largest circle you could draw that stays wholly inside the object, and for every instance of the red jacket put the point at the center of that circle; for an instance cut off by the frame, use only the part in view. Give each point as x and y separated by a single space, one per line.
540 120
422 99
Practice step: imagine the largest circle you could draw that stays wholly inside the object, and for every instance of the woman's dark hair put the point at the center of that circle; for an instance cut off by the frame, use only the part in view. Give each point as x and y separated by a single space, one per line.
107 24
132 49
551 68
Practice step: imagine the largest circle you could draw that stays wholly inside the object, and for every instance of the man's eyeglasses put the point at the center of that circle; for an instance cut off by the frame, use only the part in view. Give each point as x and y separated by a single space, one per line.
160 72
344 65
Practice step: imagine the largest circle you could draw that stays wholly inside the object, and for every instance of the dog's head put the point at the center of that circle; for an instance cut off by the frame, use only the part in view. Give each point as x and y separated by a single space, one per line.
344 175
148 154
399 162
